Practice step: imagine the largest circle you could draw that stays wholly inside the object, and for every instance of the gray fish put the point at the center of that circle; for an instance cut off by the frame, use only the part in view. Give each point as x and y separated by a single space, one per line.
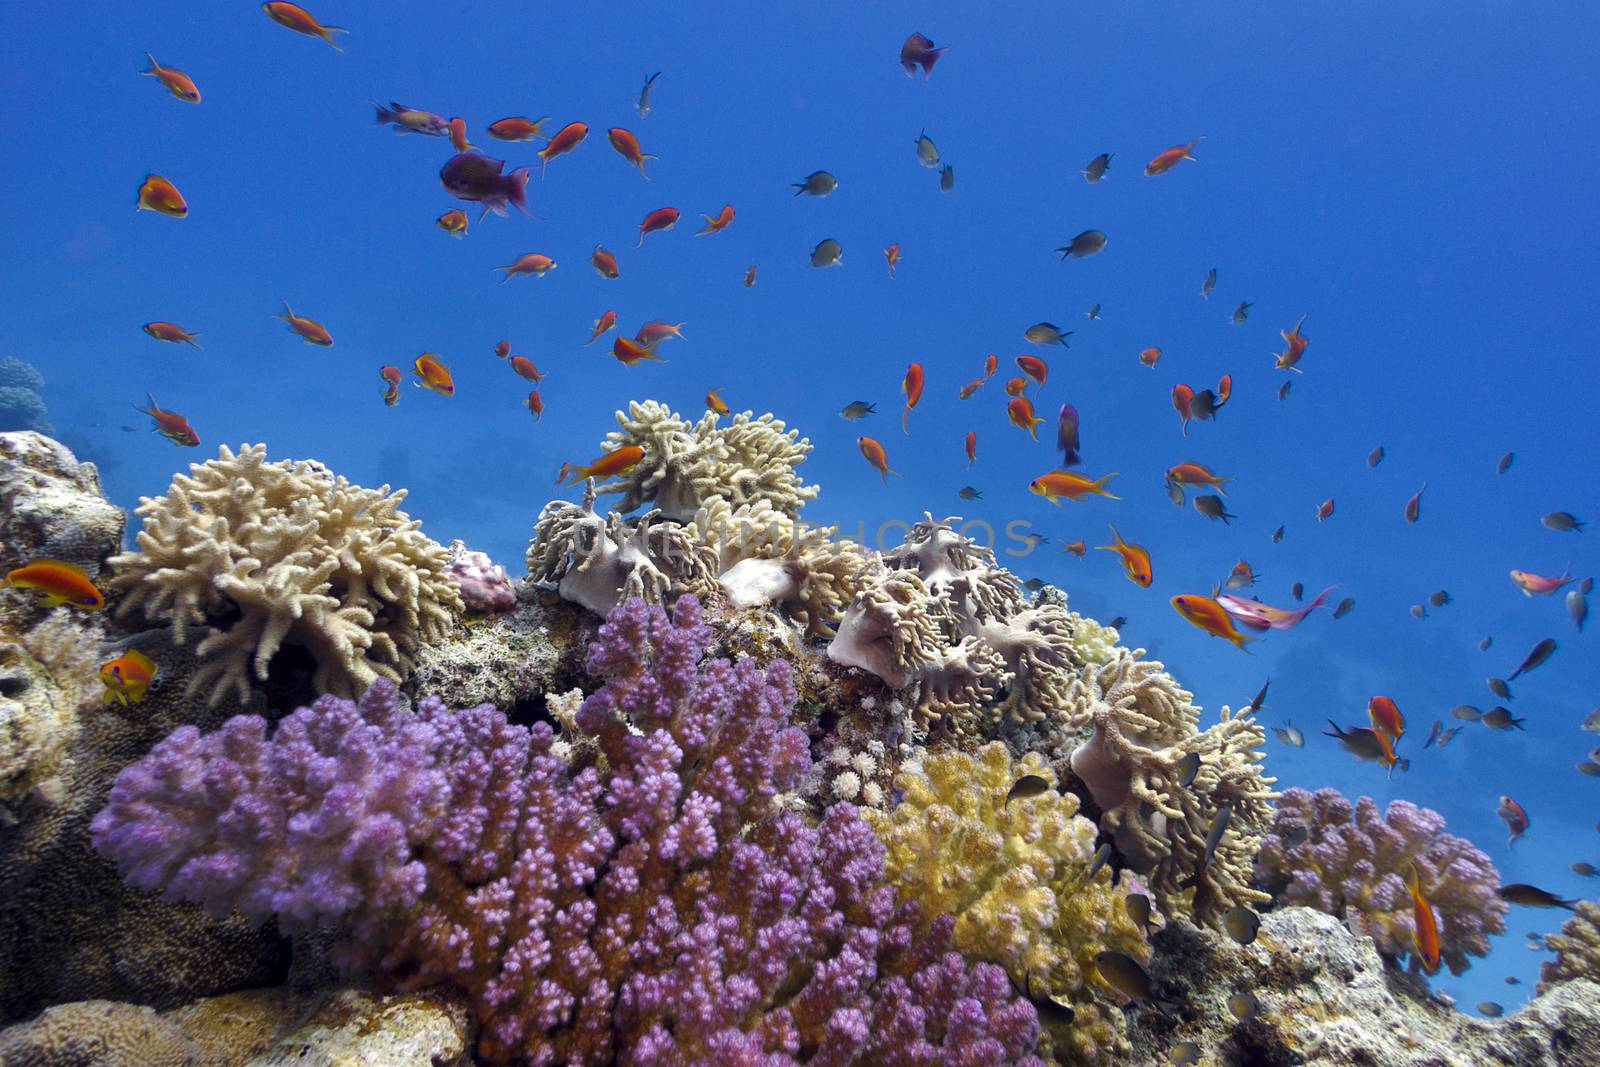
1138 906
1359 741
1283 390
1084 245
1448 736
1531 896
1439 599
817 183
829 253
1375 457
1047 333
1591 722
1489 1009
1584 870
1466 713
1297 590
947 178
1033 540
1498 687
1540 652
927 154
1097 168
1175 493
1289 734
1512 979
1346 606
1433 734
1033 585
1418 611
1203 405
1209 284
1051 1011
1211 507
1125 975
1562 521
1499 718
1505 463
1240 313
411 120
1277 535
1295 837
1101 856
1188 767
1244 1006
1242 924
1483 646
1185 1054
858 409
1094 313
643 106
1219 826
1577 607
966 492
1259 699
1119 622
1589 767
1586 586
1029 785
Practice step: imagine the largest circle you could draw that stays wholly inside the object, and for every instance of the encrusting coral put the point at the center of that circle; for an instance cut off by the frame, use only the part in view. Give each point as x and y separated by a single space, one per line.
268 554
655 907
482 582
1016 877
1577 948
1352 863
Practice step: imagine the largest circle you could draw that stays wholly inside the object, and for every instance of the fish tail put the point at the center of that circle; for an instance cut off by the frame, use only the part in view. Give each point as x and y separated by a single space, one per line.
383 115
327 32
1100 487
190 339
517 189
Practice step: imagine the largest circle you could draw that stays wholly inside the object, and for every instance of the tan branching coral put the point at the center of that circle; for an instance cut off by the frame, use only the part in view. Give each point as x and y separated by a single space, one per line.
1577 948
1016 877
600 561
891 629
269 554
959 571
753 458
1036 647
1144 725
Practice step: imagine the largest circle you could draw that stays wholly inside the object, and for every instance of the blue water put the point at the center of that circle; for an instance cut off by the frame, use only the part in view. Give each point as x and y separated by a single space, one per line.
1420 186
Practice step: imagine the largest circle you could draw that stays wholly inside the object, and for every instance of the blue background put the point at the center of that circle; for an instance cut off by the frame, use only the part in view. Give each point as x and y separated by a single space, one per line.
1419 185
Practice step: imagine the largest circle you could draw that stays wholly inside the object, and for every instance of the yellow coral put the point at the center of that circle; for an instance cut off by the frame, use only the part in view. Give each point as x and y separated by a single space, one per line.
1577 948
1015 876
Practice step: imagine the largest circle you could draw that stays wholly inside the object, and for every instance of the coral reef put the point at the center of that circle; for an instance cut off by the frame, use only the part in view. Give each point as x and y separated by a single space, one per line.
36 727
274 554
1577 948
1353 862
482 582
52 505
21 406
1016 877
457 849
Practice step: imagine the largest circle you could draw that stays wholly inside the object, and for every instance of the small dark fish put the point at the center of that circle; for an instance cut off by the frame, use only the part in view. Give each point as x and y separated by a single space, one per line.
1498 687
1219 826
1466 713
1277 535
1562 521
1529 896
1418 611
1296 836
1498 718
1489 1009
947 178
966 492
1589 767
1188 767
1094 313
1240 313
1505 463
927 154
1209 284
1283 390
1259 699
1414 505
1203 405
1138 906
1084 245
1033 540
1051 1011
1512 979
643 106
1029 785
1211 507
1375 457
1591 722
1097 168
1577 607
1586 586
129 429
1584 870
1439 599
1289 734
1244 1006
1125 975
1033 585
1101 856
1046 333
817 183
1185 1054
1359 741
1540 652
1119 622
858 409
1448 736
1346 606
1242 924
828 253
1433 734
1297 590
1483 646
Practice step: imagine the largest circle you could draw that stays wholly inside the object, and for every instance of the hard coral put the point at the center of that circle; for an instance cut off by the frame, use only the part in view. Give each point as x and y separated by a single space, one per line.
1016 877
653 907
482 582
1353 863
1577 948
268 554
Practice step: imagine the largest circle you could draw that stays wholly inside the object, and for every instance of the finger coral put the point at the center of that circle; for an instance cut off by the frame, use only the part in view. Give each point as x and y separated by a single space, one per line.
654 907
1352 863
273 554
1016 877
1577 948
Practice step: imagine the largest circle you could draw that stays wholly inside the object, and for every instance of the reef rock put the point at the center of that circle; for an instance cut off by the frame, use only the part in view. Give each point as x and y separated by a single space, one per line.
353 1026
51 505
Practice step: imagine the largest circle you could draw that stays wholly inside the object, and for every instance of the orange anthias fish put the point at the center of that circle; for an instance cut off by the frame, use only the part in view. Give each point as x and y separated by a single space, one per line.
1325 509
891 256
1195 474
458 135
1386 717
1020 411
1016 386
1294 343
525 368
431 374
719 223
1516 817
662 218
911 385
604 263
166 331
454 223
1182 395
1150 357
991 363
517 128
1171 157
874 454
1058 484
1414 505
566 139
1035 368
533 263
173 81
1207 614
919 51
1386 754
502 348
1224 389
972 387
1135 559
601 325
1077 548
657 330
127 677
535 404
627 146
61 583
618 461
391 377
1532 584
715 403
300 20
170 424
310 330
750 276
972 448
1425 933
158 194
631 352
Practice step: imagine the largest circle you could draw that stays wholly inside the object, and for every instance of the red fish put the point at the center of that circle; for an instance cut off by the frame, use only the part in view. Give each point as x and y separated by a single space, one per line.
1531 583
1135 559
173 81
1067 436
535 404
972 448
1150 357
1325 509
718 224
533 263
1208 615
627 146
919 51
1259 616
658 330
502 348
972 387
517 128
990 364
61 583
1077 548
525 368
1016 386
715 403
912 387
1171 157
458 135
873 452
618 461
1425 926
166 331
566 139
1020 412
1517 821
601 325
1196 474
750 276
1414 505
1035 368
1224 389
391 377
662 218
605 264
891 256
631 352
1295 344
454 223
432 374
170 424
159 195
1386 717
300 20
1182 395
1057 484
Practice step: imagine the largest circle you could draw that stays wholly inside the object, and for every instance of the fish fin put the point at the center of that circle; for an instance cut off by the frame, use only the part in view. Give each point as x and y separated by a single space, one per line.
327 32
155 68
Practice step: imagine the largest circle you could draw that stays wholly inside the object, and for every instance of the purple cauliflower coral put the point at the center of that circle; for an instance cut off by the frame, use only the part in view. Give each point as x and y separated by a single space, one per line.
482 582
1347 860
661 910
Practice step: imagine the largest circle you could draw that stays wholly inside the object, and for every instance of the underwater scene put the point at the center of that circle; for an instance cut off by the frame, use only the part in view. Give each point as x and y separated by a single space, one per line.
755 534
